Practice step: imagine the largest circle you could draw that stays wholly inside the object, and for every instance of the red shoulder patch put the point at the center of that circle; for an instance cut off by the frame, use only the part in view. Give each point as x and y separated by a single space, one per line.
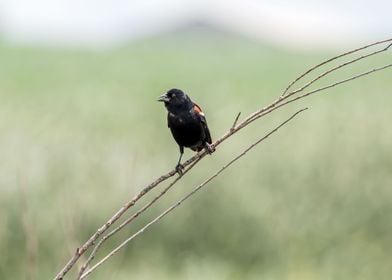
198 110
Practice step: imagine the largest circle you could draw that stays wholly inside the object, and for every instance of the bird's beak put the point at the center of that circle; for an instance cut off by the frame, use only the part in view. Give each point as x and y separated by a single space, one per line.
163 98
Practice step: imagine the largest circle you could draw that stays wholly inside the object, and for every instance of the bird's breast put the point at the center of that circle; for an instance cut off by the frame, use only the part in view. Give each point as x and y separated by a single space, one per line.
186 129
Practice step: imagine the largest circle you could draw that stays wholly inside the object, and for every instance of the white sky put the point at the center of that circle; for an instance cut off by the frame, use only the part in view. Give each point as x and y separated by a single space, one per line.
109 22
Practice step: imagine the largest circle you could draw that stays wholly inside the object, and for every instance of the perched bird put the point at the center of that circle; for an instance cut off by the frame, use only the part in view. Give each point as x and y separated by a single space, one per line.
187 123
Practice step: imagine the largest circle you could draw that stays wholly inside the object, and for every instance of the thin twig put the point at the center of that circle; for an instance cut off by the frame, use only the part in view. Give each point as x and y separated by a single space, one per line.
271 109
251 118
332 59
235 122
338 83
338 67
179 202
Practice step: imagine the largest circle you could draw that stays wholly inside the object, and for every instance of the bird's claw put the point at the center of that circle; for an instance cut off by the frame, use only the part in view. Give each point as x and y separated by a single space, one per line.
209 148
179 169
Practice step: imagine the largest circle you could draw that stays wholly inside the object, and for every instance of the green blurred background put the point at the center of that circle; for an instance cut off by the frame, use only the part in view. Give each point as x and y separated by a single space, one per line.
82 133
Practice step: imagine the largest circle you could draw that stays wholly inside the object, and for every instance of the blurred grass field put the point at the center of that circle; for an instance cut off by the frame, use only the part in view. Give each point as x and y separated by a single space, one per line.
81 133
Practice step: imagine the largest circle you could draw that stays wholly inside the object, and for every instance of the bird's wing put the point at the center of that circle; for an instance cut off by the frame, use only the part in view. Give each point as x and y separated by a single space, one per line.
199 111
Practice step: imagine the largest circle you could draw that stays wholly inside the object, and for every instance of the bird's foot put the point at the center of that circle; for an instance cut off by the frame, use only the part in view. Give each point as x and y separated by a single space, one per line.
179 169
209 148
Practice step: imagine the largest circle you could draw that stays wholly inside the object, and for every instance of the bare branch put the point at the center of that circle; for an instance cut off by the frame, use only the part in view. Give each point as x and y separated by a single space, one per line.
275 105
335 58
273 108
179 202
337 83
129 220
80 251
338 67
283 100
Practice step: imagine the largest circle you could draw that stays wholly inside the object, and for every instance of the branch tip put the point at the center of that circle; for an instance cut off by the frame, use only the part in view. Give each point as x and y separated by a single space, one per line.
235 122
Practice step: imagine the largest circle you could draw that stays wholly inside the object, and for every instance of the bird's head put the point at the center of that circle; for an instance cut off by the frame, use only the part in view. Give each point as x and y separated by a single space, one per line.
176 100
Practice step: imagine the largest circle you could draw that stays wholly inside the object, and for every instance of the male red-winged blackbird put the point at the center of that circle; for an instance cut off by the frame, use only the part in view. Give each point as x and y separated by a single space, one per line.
187 123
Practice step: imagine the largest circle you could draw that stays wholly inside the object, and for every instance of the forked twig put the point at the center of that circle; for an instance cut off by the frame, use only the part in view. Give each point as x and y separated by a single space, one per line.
273 108
235 122
335 58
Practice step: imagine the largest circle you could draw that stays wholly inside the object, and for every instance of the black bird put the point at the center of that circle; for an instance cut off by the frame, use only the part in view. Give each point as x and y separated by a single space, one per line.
187 123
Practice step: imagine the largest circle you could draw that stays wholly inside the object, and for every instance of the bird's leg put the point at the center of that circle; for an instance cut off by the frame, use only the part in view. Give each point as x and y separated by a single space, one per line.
179 166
